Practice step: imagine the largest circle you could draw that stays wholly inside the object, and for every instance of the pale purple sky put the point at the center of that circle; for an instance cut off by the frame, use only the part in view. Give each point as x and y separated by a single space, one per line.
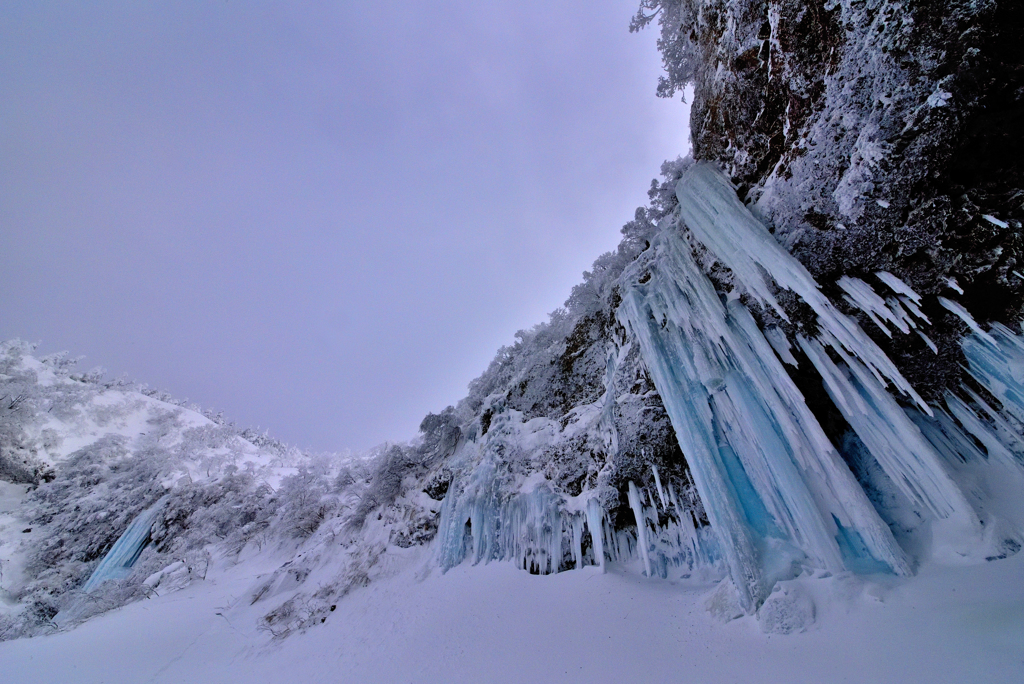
320 218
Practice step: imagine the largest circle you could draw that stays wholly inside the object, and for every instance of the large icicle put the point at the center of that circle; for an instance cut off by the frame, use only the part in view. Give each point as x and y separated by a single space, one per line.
891 437
996 360
773 487
595 519
641 526
718 220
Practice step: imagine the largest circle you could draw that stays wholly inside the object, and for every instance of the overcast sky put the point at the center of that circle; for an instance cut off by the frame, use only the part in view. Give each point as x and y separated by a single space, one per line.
320 218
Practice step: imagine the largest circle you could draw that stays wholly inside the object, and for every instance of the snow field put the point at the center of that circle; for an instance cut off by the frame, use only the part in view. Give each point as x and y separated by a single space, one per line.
496 623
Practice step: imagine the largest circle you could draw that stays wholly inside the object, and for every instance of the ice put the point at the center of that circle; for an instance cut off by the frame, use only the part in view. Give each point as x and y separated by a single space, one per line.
720 223
994 447
966 317
641 526
577 540
482 521
774 489
862 296
119 560
781 345
891 437
928 342
994 221
595 520
898 286
996 361
913 308
657 484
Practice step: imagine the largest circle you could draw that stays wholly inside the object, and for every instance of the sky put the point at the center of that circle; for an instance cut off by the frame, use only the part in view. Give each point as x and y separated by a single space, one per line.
322 219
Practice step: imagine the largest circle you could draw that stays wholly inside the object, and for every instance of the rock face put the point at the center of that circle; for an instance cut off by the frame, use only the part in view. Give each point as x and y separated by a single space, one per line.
871 136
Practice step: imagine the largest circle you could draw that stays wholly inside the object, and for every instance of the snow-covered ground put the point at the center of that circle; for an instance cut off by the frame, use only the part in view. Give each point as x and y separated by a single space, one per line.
495 623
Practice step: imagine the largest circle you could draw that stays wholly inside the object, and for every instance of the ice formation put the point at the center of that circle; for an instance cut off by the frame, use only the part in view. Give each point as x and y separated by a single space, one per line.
118 562
775 490
777 494
490 514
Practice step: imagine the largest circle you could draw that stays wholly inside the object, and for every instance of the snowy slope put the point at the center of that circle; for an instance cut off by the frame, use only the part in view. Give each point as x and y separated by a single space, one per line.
494 623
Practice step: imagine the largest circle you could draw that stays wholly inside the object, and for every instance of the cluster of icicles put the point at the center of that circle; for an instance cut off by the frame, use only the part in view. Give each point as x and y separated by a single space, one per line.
775 490
542 532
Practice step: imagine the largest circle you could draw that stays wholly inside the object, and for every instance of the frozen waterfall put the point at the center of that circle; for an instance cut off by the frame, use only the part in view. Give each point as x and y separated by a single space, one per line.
777 493
118 562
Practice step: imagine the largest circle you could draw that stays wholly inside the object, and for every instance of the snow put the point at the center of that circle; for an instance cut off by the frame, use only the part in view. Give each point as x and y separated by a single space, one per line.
776 561
497 624
15 533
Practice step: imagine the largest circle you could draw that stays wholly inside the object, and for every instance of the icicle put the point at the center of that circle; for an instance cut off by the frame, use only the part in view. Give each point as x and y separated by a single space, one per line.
718 220
781 345
895 442
609 433
928 342
595 519
962 412
1006 433
577 540
762 464
863 297
999 367
673 499
899 312
966 317
661 491
994 221
898 286
641 526
914 309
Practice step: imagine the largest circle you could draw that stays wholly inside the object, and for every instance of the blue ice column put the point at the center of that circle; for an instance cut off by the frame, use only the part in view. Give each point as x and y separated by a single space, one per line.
774 488
118 562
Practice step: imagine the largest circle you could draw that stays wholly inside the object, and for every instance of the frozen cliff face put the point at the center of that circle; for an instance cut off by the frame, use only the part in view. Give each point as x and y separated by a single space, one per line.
776 491
807 447
875 135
